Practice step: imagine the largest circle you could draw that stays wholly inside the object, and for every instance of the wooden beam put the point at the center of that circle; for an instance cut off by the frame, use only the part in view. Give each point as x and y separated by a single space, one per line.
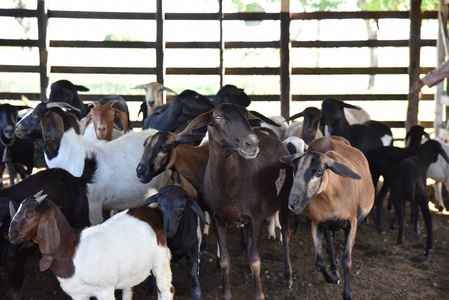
160 42
414 64
285 70
44 70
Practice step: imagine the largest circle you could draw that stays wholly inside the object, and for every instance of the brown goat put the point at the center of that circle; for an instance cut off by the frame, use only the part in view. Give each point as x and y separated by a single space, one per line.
102 117
333 186
244 183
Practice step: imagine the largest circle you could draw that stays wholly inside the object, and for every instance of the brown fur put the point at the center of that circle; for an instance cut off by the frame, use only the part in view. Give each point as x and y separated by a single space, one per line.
152 216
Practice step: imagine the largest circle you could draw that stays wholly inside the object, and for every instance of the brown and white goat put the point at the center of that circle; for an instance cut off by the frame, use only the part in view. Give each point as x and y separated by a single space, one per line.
333 186
244 183
102 118
117 254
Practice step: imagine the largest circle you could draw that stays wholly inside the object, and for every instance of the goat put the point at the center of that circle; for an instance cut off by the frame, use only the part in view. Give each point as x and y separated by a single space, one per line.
117 159
439 171
231 94
69 192
153 97
366 137
381 162
180 216
309 129
16 153
102 117
173 116
255 192
408 182
333 187
65 91
118 254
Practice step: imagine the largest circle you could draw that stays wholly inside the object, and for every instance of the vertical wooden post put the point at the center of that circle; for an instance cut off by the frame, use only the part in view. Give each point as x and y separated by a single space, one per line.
44 69
414 65
285 69
160 42
221 66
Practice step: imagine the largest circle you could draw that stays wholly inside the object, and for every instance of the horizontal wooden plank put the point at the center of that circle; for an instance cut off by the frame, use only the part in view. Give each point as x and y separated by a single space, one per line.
322 15
339 71
19 43
192 45
101 44
19 69
100 15
18 12
192 71
101 70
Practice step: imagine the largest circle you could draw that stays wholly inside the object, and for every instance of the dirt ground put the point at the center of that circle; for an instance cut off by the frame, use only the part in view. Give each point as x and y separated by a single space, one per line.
380 269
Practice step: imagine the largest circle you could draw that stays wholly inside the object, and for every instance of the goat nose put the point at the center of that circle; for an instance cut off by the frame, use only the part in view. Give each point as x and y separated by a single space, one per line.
252 140
101 128
141 169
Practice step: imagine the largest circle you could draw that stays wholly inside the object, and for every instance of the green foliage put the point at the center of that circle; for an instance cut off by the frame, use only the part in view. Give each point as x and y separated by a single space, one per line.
321 5
117 36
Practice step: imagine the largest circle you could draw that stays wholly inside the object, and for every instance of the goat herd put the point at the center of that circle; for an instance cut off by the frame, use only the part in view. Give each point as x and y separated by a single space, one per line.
195 163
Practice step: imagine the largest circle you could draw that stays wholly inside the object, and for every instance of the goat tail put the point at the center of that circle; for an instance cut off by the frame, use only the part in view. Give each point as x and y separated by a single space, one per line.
90 169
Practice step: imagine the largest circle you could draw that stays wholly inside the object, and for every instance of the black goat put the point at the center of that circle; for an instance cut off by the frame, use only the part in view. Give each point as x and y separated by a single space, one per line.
232 94
383 159
366 137
71 195
174 116
65 91
408 182
16 153
180 215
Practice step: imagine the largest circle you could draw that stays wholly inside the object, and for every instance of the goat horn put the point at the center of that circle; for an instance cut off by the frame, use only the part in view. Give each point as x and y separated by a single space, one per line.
41 198
12 209
62 105
92 104
38 194
112 102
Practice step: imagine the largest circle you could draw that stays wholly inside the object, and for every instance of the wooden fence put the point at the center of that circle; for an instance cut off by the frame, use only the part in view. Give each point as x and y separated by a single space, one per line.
43 43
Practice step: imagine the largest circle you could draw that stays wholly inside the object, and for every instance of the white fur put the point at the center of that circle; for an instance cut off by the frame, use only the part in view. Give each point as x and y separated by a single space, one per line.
90 132
118 254
439 171
115 185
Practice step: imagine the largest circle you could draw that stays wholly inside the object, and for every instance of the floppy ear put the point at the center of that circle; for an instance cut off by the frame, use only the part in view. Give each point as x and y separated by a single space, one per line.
351 106
197 209
123 118
81 88
48 238
52 130
287 159
200 121
294 117
150 200
340 169
188 138
85 123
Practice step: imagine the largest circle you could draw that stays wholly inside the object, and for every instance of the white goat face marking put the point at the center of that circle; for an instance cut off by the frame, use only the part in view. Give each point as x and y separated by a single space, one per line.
386 140
280 181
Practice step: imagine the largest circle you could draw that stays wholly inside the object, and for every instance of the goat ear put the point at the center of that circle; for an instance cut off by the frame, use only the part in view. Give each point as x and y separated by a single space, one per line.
201 120
150 200
123 118
48 237
81 88
351 106
197 209
188 138
52 130
85 123
340 169
295 116
287 159
12 209
444 155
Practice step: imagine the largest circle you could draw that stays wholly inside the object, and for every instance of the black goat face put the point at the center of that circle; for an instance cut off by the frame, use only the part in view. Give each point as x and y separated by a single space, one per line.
29 127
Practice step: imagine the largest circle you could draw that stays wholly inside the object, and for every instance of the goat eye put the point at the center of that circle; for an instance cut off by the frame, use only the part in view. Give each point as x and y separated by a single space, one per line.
218 118
319 172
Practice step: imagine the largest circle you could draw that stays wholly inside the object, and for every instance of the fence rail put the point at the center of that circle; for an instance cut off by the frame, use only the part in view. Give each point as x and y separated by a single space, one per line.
284 70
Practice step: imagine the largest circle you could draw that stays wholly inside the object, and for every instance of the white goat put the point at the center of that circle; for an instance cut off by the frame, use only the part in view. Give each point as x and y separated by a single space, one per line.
116 186
118 254
439 171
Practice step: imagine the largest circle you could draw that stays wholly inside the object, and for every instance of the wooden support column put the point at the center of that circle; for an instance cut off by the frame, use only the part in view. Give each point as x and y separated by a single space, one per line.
44 68
285 69
160 42
221 66
414 65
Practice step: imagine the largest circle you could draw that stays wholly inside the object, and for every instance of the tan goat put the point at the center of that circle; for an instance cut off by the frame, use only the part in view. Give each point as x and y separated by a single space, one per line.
333 186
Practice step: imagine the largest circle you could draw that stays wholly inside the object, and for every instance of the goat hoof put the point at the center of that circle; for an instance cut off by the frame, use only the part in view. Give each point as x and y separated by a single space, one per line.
332 277
288 283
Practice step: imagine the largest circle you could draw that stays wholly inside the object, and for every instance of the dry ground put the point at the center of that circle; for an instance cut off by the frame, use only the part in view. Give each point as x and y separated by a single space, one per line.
381 269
